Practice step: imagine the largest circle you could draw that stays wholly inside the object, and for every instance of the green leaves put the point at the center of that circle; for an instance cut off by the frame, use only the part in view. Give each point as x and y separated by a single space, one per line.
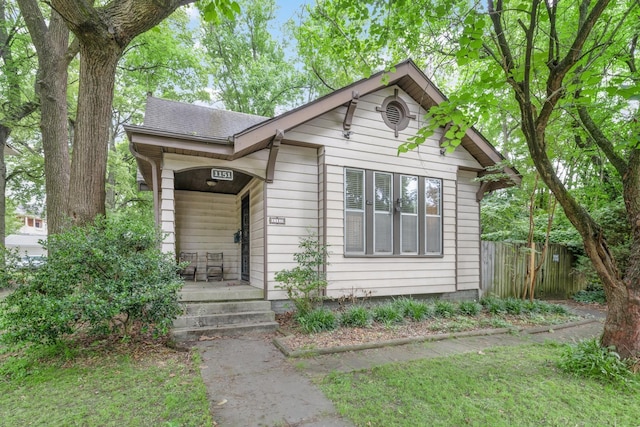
305 282
101 278
214 10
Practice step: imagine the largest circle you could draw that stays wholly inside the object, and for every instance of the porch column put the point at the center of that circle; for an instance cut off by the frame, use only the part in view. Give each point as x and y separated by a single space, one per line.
167 212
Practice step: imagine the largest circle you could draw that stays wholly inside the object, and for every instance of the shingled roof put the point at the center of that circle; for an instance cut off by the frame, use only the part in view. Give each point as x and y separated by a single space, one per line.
195 120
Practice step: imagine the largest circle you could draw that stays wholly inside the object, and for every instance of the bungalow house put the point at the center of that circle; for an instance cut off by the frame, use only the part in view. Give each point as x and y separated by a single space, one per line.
250 187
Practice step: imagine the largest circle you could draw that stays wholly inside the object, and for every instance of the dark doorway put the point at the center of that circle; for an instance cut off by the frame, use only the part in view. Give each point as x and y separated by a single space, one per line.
244 242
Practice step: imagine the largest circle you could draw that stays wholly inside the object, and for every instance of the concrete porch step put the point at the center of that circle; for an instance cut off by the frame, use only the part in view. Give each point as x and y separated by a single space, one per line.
230 293
200 308
224 319
192 334
209 316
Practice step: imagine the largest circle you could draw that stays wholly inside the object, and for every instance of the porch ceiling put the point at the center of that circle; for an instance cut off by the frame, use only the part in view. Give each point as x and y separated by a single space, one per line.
196 180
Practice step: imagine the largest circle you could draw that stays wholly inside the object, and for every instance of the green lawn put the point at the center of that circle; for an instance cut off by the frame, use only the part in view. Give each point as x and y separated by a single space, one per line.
515 386
143 388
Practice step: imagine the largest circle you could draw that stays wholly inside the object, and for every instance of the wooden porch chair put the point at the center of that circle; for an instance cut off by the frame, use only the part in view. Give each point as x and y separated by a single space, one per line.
191 269
215 265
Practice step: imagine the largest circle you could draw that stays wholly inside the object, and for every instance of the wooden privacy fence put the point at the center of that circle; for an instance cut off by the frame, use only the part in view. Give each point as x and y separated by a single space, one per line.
504 270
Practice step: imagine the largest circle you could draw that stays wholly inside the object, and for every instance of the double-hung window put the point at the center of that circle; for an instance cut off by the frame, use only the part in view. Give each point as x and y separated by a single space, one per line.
354 215
392 214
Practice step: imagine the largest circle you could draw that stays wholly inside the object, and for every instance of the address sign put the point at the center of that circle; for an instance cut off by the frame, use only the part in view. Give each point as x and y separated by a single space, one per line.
222 174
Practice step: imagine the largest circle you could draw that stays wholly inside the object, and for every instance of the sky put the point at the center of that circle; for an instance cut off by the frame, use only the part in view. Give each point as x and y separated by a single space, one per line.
289 8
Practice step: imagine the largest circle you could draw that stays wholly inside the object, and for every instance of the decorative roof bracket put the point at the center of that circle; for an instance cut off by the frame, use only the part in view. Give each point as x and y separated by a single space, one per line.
273 154
484 187
441 141
351 108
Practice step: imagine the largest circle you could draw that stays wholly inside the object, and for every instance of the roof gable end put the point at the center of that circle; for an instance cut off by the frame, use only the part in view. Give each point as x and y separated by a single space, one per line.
408 77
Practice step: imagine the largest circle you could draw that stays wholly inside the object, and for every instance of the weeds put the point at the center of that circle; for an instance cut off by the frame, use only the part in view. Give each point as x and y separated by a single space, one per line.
589 359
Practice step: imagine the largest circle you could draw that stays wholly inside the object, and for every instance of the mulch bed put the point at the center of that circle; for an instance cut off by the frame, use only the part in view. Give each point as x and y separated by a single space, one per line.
295 339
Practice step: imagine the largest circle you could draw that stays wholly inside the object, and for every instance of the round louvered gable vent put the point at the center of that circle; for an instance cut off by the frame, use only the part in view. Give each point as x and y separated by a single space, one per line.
395 113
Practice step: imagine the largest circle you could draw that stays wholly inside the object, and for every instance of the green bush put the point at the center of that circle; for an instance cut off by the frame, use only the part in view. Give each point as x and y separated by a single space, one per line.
469 308
444 309
356 317
413 309
387 313
14 271
589 359
102 277
493 305
305 283
317 320
514 306
593 294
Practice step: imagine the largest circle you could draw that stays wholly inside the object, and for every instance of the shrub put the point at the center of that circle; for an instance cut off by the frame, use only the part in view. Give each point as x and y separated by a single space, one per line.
559 309
444 309
317 320
413 309
356 317
542 307
469 308
388 314
494 305
593 294
16 269
305 283
514 306
589 359
105 276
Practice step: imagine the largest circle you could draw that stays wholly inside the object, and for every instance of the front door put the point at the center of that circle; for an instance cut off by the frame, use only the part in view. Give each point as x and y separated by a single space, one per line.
244 239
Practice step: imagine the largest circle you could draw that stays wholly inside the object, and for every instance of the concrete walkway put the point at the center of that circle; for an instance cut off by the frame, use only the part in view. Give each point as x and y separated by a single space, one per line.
251 383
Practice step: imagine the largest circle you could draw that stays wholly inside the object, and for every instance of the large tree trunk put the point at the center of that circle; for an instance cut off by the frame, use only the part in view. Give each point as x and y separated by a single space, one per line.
52 88
52 45
103 33
89 162
622 326
4 136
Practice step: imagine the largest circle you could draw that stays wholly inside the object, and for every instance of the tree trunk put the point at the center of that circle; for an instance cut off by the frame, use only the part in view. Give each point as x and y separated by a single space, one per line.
52 88
52 45
4 136
89 161
110 201
103 34
622 326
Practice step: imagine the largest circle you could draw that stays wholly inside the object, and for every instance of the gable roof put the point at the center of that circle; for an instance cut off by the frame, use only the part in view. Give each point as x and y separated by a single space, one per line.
230 135
195 120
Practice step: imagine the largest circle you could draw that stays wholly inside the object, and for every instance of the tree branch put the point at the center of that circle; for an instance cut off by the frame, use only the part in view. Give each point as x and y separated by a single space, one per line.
557 73
602 141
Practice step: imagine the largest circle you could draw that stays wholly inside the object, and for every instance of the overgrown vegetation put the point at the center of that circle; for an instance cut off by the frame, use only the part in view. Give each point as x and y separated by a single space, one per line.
509 386
589 359
306 282
102 278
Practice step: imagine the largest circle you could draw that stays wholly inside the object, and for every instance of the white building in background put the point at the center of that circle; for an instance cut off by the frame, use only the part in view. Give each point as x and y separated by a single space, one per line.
26 240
